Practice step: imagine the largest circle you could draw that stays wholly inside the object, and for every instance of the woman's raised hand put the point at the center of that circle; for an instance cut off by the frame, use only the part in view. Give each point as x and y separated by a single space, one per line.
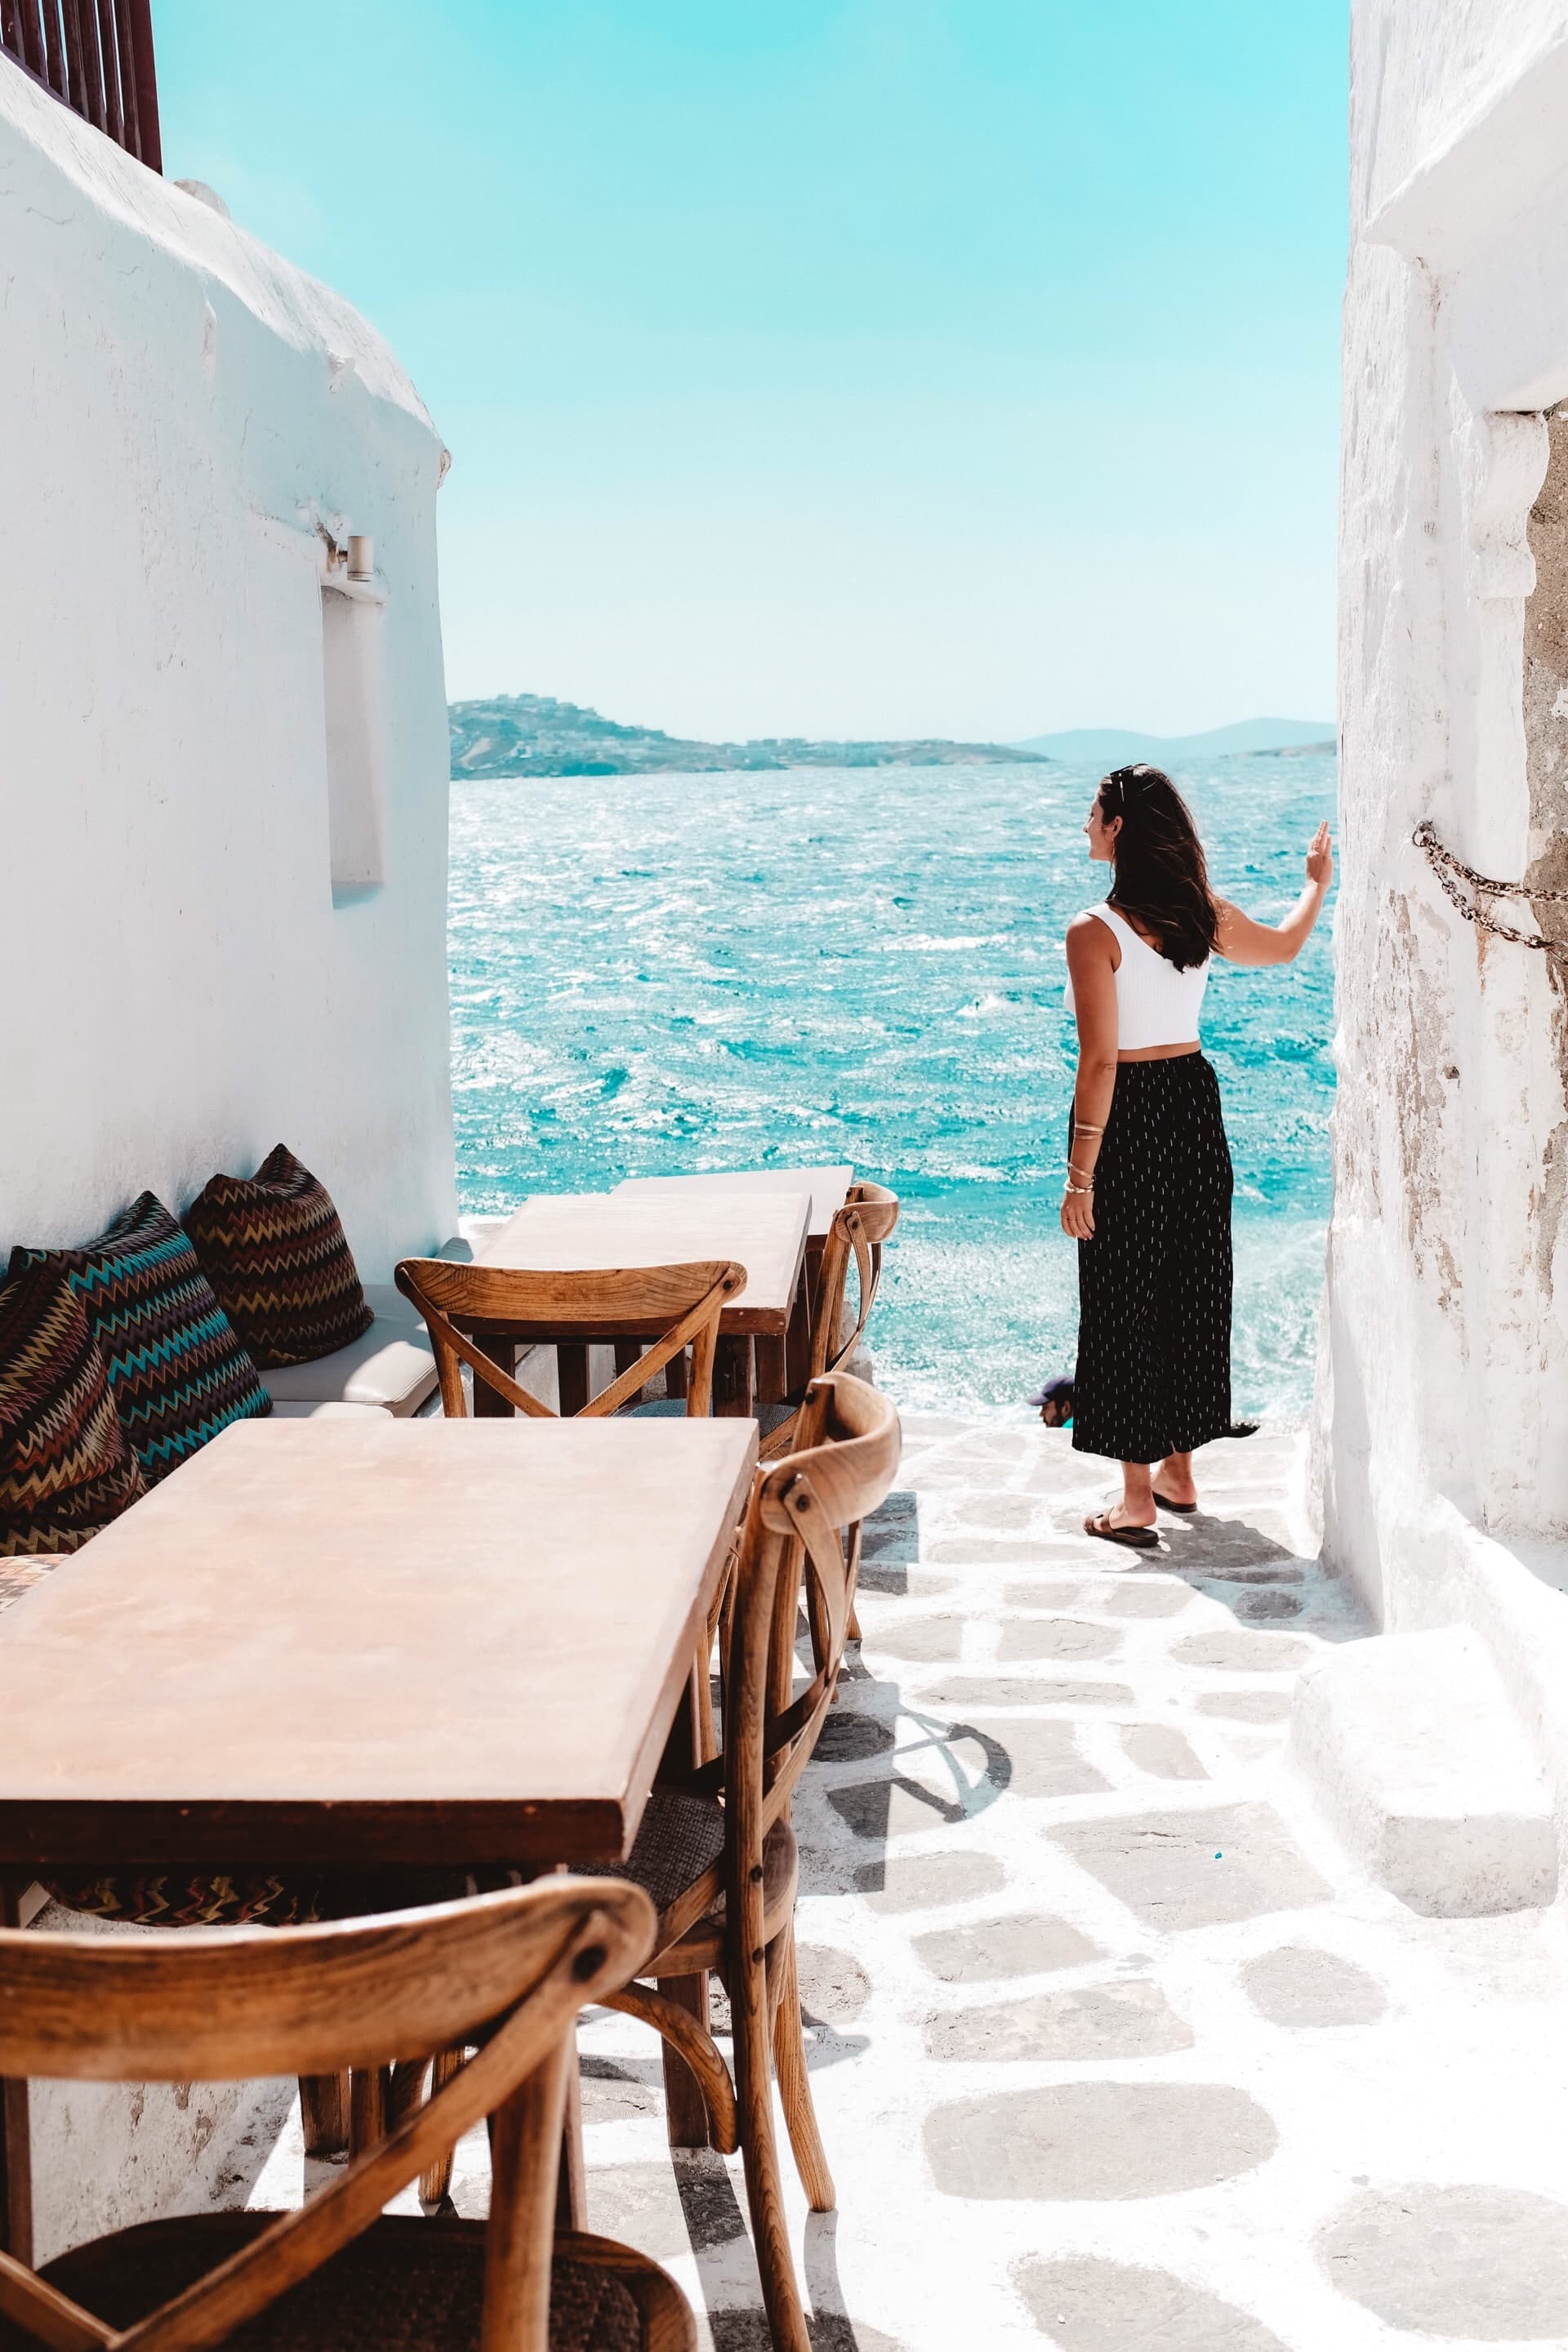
1321 857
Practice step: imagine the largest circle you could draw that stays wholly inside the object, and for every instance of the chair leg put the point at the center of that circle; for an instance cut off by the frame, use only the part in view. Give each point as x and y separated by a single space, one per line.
436 2182
368 2092
759 2150
795 2084
324 2113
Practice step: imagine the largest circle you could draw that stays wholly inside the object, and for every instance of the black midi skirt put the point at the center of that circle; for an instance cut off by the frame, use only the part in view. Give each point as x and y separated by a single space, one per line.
1154 1336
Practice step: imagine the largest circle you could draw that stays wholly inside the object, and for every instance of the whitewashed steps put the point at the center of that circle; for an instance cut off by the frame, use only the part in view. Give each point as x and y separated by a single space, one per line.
1410 1744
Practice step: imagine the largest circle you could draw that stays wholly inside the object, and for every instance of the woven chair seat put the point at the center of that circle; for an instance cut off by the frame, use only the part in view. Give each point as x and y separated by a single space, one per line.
681 1836
407 2285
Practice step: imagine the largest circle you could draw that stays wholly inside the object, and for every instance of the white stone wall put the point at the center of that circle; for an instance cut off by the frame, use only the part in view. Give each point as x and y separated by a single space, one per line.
1444 1399
180 414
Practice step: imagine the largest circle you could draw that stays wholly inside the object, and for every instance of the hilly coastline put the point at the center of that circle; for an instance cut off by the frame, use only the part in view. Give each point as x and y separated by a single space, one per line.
531 735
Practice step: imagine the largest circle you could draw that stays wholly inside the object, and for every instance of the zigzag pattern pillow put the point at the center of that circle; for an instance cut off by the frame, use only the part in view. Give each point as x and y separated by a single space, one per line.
275 1251
176 1372
66 1465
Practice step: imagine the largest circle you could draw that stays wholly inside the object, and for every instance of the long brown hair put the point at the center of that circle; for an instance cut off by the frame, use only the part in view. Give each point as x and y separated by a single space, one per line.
1161 875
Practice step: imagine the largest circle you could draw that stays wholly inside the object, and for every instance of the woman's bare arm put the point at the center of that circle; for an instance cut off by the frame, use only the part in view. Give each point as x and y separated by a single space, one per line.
1241 940
1092 962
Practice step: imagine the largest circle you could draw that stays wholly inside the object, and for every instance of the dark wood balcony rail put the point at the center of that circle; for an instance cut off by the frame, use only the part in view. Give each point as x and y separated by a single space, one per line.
95 56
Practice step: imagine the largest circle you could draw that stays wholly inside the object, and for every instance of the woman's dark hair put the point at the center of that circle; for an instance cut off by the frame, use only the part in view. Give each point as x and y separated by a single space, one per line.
1161 876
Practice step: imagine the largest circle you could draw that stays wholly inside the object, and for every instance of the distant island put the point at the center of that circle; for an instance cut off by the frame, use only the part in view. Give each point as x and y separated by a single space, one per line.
531 735
1120 746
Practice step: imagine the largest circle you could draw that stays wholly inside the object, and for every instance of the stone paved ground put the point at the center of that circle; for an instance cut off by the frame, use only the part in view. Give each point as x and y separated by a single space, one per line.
1112 2047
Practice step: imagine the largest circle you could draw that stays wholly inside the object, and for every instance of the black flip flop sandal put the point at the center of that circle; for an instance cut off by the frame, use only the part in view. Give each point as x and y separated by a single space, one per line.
1134 1538
1166 1504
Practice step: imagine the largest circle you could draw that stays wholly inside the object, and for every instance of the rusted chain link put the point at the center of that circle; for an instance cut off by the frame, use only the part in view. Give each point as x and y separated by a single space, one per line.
1445 866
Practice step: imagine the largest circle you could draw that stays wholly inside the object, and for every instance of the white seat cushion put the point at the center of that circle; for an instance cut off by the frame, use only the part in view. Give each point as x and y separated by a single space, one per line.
385 1366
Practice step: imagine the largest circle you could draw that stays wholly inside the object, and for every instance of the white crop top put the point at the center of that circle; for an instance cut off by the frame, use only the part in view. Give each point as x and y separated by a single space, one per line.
1155 1004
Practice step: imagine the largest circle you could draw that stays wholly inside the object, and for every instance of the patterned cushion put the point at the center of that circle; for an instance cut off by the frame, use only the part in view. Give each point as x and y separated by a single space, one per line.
275 1253
66 1465
176 1372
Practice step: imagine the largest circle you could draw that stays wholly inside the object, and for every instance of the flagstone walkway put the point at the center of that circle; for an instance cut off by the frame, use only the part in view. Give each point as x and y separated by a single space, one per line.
1112 2047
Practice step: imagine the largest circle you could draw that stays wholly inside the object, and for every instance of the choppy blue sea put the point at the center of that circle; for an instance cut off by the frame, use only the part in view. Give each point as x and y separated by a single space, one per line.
666 972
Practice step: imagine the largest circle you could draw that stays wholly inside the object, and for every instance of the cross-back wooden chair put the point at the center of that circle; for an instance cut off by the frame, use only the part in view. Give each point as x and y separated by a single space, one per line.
716 1850
856 1236
673 1307
508 1972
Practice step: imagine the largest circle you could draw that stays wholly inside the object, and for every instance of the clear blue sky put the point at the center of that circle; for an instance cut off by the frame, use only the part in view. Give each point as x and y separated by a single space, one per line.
874 367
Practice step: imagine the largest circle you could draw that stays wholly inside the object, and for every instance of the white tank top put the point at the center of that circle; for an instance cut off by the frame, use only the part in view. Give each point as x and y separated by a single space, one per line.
1155 1004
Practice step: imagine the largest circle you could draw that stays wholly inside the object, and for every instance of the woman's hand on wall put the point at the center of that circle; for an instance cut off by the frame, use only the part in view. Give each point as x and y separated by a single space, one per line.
1320 858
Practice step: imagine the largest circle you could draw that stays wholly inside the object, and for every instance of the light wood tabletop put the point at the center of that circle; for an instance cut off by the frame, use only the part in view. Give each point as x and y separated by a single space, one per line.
763 1231
371 1641
826 1186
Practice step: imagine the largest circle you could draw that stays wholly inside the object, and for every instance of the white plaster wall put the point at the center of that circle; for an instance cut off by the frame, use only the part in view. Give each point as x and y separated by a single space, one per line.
179 411
1445 1388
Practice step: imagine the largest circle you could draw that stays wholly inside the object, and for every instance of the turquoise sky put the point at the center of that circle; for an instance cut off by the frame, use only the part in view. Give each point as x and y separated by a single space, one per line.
874 367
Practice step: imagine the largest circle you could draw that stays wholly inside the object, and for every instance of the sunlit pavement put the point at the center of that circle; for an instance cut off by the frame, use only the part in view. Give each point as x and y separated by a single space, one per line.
1112 2046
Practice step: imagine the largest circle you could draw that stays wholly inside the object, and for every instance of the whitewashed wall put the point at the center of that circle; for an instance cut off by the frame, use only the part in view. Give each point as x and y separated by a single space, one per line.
1444 1409
179 412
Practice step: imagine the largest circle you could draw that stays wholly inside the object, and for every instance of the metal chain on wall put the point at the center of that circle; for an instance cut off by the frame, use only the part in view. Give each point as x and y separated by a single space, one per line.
1450 872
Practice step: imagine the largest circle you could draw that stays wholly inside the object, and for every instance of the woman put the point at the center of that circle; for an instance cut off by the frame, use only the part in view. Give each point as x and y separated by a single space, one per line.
1148 1183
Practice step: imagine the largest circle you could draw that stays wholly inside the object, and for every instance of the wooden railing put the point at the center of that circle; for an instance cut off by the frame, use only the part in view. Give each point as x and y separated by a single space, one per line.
95 56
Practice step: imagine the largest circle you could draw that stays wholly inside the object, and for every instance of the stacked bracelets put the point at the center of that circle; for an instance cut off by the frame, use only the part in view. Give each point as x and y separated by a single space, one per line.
1081 1127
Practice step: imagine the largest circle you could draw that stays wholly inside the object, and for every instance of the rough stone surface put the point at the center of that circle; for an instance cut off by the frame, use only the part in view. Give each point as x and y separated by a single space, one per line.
1161 1598
1024 1945
1128 2019
1197 1869
1056 1637
848 1736
1092 2306
1246 1705
1044 1758
1026 1690
927 1881
1091 2140
1491 2264
921 1640
1239 1652
833 1985
1161 1750
1298 1985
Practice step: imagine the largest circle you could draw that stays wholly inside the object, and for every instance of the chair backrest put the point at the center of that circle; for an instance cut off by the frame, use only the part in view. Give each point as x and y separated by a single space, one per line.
509 1970
672 1306
857 1231
800 1539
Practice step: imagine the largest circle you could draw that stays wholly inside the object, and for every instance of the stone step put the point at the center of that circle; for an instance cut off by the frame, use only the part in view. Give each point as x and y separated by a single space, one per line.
1409 1741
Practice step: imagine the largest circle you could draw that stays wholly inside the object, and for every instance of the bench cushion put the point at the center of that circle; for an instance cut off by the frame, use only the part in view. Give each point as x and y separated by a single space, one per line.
67 1467
386 1366
274 1249
177 1372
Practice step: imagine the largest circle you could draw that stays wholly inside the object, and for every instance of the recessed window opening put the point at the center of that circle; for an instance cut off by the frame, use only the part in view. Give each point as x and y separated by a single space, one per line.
353 681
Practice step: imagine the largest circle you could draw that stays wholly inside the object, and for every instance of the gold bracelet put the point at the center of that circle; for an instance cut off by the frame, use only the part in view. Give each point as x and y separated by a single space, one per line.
1078 1188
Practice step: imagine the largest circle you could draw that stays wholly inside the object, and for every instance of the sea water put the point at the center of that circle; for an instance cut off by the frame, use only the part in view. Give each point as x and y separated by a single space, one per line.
658 974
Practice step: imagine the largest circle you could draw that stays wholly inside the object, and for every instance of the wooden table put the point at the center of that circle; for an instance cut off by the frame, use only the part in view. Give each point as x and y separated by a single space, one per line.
763 1231
827 1187
337 1643
367 1643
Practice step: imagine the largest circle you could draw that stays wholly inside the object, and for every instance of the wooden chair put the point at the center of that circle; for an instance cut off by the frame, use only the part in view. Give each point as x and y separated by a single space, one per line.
671 1306
716 1851
858 1232
509 1972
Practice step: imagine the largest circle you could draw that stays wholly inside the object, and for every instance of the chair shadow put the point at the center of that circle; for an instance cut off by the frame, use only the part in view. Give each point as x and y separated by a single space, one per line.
716 2225
1261 1581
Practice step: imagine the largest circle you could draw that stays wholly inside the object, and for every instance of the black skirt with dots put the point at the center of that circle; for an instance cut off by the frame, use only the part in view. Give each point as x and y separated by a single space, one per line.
1154 1336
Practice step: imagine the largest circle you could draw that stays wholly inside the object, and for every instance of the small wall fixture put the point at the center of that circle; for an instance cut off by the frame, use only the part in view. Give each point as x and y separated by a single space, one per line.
362 556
